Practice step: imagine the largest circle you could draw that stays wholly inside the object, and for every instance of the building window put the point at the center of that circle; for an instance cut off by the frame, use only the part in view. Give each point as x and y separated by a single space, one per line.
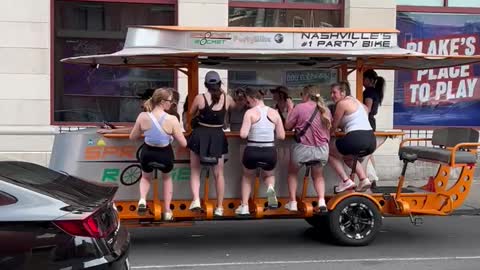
427 3
463 3
284 13
265 17
294 1
445 96
84 94
440 3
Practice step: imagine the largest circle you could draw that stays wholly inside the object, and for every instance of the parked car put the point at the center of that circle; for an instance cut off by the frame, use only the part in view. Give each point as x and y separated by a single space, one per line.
51 220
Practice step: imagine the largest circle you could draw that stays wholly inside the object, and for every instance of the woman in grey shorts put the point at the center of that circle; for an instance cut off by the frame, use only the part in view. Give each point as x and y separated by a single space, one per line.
313 145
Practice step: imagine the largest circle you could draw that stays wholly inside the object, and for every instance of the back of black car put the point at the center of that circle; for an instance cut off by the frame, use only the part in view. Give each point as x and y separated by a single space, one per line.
51 220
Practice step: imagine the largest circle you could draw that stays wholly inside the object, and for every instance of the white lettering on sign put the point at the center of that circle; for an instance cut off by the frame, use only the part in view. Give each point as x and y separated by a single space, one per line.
345 40
453 84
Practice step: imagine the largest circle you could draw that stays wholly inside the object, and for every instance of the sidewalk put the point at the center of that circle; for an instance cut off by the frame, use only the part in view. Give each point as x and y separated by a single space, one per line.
471 206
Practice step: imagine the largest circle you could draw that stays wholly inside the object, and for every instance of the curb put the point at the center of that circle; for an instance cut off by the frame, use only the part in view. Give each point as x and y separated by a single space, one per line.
466 212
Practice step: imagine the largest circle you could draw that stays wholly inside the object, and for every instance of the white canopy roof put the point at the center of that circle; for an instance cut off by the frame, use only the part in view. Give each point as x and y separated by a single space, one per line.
238 48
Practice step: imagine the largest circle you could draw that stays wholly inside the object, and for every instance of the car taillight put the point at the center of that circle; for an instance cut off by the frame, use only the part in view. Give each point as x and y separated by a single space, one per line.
92 226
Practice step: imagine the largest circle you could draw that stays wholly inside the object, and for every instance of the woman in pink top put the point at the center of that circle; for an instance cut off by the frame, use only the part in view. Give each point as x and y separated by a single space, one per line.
313 144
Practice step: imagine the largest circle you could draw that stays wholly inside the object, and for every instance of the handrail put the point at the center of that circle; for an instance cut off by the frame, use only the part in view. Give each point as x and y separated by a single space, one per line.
461 145
415 140
235 134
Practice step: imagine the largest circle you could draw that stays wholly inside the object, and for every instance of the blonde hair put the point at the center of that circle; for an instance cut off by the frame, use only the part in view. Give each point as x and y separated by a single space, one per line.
160 94
313 92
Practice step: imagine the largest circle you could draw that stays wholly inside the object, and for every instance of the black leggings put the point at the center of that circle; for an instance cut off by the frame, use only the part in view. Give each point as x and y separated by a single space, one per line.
162 155
358 142
253 155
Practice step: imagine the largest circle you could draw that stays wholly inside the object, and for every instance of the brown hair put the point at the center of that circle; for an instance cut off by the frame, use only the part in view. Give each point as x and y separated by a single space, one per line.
160 94
215 90
313 92
282 92
254 93
343 86
378 81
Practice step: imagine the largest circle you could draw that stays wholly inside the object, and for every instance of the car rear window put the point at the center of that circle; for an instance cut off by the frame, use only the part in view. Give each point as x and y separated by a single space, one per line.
69 189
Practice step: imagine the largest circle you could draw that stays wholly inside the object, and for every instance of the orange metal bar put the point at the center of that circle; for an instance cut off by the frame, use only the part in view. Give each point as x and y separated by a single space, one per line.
359 88
457 147
305 187
344 72
192 88
157 207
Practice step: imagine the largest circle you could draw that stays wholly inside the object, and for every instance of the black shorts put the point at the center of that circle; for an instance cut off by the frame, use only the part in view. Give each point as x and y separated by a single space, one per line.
358 142
162 155
253 154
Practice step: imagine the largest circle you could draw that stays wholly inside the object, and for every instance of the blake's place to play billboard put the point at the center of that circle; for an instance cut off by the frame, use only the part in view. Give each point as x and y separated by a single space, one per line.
438 97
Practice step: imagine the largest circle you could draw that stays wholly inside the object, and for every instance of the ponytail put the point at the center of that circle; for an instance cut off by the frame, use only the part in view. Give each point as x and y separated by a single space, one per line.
148 105
216 91
380 88
323 109
379 82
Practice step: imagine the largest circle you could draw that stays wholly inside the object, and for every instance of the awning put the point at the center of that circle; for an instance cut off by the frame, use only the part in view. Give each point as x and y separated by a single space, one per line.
242 48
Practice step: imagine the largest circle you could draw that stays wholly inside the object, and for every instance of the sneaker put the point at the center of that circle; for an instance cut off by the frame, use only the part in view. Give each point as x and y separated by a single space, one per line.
374 184
142 207
168 216
291 206
322 207
195 205
364 185
345 185
218 212
242 210
272 197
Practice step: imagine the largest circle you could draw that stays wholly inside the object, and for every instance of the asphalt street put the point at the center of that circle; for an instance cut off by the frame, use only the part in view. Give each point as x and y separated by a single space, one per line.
440 243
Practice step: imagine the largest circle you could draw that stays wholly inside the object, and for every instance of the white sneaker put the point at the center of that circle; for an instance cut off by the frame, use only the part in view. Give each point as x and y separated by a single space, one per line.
142 207
168 216
195 205
322 206
242 210
218 212
364 185
345 185
291 206
272 197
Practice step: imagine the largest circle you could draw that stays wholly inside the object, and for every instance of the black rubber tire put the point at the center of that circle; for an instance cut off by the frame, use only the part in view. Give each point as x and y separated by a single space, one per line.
122 175
364 215
319 222
321 225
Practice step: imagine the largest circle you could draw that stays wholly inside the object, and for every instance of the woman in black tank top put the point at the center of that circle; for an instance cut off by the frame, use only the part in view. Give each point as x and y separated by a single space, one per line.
208 139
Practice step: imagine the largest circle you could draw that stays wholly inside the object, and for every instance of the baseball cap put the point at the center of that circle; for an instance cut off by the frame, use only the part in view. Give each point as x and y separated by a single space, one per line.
282 89
212 77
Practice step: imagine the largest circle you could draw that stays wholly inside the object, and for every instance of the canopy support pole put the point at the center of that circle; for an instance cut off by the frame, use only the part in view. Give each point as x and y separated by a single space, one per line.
359 89
343 72
192 74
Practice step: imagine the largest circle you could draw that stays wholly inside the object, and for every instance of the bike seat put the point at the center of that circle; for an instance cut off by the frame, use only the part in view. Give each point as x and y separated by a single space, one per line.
261 165
362 153
156 165
409 157
208 161
311 163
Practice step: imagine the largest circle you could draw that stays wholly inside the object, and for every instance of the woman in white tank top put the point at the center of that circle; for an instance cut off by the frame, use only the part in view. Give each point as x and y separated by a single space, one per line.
359 139
261 125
